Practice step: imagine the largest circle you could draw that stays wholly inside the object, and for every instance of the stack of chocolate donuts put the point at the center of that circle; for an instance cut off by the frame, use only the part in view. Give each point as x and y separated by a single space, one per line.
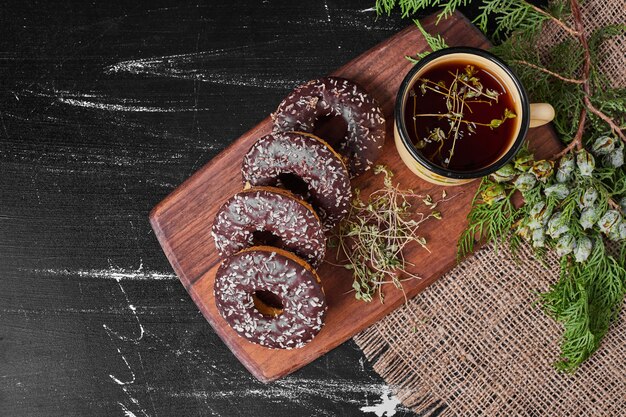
296 187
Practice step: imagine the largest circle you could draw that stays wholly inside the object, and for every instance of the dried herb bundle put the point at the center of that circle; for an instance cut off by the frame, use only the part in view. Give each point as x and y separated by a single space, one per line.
372 237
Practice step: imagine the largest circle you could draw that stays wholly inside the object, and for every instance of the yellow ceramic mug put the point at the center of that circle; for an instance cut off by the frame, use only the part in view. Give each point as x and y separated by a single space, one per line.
529 115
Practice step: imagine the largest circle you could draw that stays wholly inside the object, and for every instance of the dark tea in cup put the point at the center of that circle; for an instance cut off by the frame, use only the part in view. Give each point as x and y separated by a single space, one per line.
461 114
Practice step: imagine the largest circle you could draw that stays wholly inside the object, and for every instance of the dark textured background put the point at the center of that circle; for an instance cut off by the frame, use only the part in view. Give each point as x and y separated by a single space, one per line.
104 109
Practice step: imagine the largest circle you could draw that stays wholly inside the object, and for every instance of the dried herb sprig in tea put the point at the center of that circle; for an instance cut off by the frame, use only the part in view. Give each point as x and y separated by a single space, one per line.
371 240
461 95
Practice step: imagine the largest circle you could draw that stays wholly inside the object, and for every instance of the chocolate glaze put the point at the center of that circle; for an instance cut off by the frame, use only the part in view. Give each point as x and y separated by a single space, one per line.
268 209
290 278
333 96
308 158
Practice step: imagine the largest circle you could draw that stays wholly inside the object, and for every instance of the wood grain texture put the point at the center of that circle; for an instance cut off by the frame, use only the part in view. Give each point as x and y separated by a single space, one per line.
182 221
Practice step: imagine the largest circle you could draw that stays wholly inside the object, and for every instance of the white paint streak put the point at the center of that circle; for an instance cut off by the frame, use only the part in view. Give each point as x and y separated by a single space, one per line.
196 66
135 402
301 391
327 11
163 184
126 411
143 369
111 273
328 388
100 102
113 377
387 407
70 310
135 66
125 108
134 311
116 338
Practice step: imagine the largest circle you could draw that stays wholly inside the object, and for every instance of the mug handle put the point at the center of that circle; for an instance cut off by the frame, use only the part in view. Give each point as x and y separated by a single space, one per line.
540 114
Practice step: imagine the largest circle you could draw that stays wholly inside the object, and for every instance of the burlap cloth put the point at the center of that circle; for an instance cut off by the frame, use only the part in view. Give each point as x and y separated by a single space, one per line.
596 14
481 346
475 342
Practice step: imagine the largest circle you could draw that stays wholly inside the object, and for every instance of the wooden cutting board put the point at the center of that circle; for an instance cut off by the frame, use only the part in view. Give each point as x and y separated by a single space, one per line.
182 221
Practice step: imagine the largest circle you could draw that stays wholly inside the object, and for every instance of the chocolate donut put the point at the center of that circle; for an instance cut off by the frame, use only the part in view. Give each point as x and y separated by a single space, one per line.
270 297
269 216
291 157
360 140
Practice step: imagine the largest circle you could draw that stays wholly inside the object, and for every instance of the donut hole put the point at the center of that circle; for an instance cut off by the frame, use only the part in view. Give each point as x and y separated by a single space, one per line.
293 183
266 238
299 187
267 303
331 128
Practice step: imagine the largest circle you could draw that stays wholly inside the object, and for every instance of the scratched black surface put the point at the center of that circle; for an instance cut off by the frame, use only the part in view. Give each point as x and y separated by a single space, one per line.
104 109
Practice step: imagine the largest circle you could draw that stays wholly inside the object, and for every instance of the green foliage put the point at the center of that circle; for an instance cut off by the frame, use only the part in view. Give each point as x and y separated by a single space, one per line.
595 41
487 222
585 299
510 15
435 42
447 8
542 87
591 287
557 212
410 7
